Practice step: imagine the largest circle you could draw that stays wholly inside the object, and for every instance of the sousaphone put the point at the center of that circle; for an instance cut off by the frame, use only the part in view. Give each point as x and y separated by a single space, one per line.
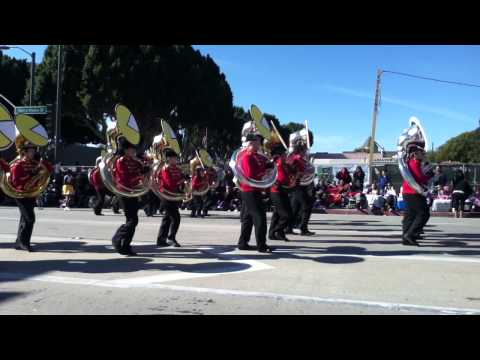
124 126
20 130
414 135
258 125
166 140
302 137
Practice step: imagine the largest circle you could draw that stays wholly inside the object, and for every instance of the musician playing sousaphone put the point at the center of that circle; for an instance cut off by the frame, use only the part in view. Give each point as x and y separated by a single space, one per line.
25 178
125 175
416 173
168 183
302 201
255 172
204 177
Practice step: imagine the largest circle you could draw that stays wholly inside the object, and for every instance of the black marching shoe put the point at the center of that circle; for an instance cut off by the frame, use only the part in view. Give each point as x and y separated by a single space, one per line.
273 237
281 236
174 243
24 248
307 233
162 243
289 232
265 249
245 247
409 241
128 251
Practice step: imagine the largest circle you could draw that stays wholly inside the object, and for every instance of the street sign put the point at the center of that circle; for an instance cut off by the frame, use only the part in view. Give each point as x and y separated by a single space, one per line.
32 110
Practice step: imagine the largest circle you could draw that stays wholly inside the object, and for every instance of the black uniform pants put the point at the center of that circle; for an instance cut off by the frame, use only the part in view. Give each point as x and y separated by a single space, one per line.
301 207
27 220
100 200
170 222
197 205
124 235
282 213
416 214
208 201
458 201
253 214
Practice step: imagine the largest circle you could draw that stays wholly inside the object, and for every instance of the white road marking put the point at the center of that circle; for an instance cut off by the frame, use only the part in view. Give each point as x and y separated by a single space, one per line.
250 294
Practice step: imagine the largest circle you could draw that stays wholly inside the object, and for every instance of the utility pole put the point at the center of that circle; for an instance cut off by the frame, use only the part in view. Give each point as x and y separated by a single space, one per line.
32 78
59 99
374 125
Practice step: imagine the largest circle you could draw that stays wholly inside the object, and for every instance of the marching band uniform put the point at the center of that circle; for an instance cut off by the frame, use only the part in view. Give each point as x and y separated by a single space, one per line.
172 179
22 172
199 180
128 174
253 211
416 215
301 201
282 214
100 191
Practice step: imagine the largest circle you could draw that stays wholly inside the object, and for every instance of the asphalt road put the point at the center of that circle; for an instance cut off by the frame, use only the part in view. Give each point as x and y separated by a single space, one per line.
354 264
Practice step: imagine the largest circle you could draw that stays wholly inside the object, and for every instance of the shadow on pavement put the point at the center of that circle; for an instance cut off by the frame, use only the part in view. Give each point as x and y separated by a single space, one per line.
7 295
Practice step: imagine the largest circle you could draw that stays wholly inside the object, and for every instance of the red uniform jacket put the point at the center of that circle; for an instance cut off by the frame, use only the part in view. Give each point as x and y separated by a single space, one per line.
171 178
128 172
283 175
96 179
415 167
298 162
253 165
21 171
199 182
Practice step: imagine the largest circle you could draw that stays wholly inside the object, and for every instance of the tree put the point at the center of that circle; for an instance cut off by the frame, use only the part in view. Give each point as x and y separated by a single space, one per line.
464 148
150 81
14 75
75 124
292 127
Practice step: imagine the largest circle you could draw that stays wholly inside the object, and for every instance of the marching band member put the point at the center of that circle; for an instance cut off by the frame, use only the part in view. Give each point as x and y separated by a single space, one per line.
199 181
97 183
301 202
416 215
129 173
282 214
253 211
172 180
22 172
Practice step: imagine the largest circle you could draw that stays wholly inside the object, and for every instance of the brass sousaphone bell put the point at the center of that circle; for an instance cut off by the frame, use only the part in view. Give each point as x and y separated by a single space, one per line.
258 126
20 130
125 126
302 137
166 140
414 135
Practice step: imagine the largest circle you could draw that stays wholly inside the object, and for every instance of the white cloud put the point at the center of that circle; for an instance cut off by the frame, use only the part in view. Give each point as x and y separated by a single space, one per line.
443 112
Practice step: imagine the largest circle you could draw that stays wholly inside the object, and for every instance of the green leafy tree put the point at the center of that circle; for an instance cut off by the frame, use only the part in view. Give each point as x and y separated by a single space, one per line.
464 148
14 75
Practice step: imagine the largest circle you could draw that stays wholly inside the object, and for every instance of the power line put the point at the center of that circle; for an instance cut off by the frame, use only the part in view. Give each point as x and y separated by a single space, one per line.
432 79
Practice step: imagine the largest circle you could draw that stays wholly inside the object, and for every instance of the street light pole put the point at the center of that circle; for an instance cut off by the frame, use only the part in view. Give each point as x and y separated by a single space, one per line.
32 78
59 95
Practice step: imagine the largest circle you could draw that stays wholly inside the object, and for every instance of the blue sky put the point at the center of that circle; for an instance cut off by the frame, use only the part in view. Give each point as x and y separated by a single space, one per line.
333 87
